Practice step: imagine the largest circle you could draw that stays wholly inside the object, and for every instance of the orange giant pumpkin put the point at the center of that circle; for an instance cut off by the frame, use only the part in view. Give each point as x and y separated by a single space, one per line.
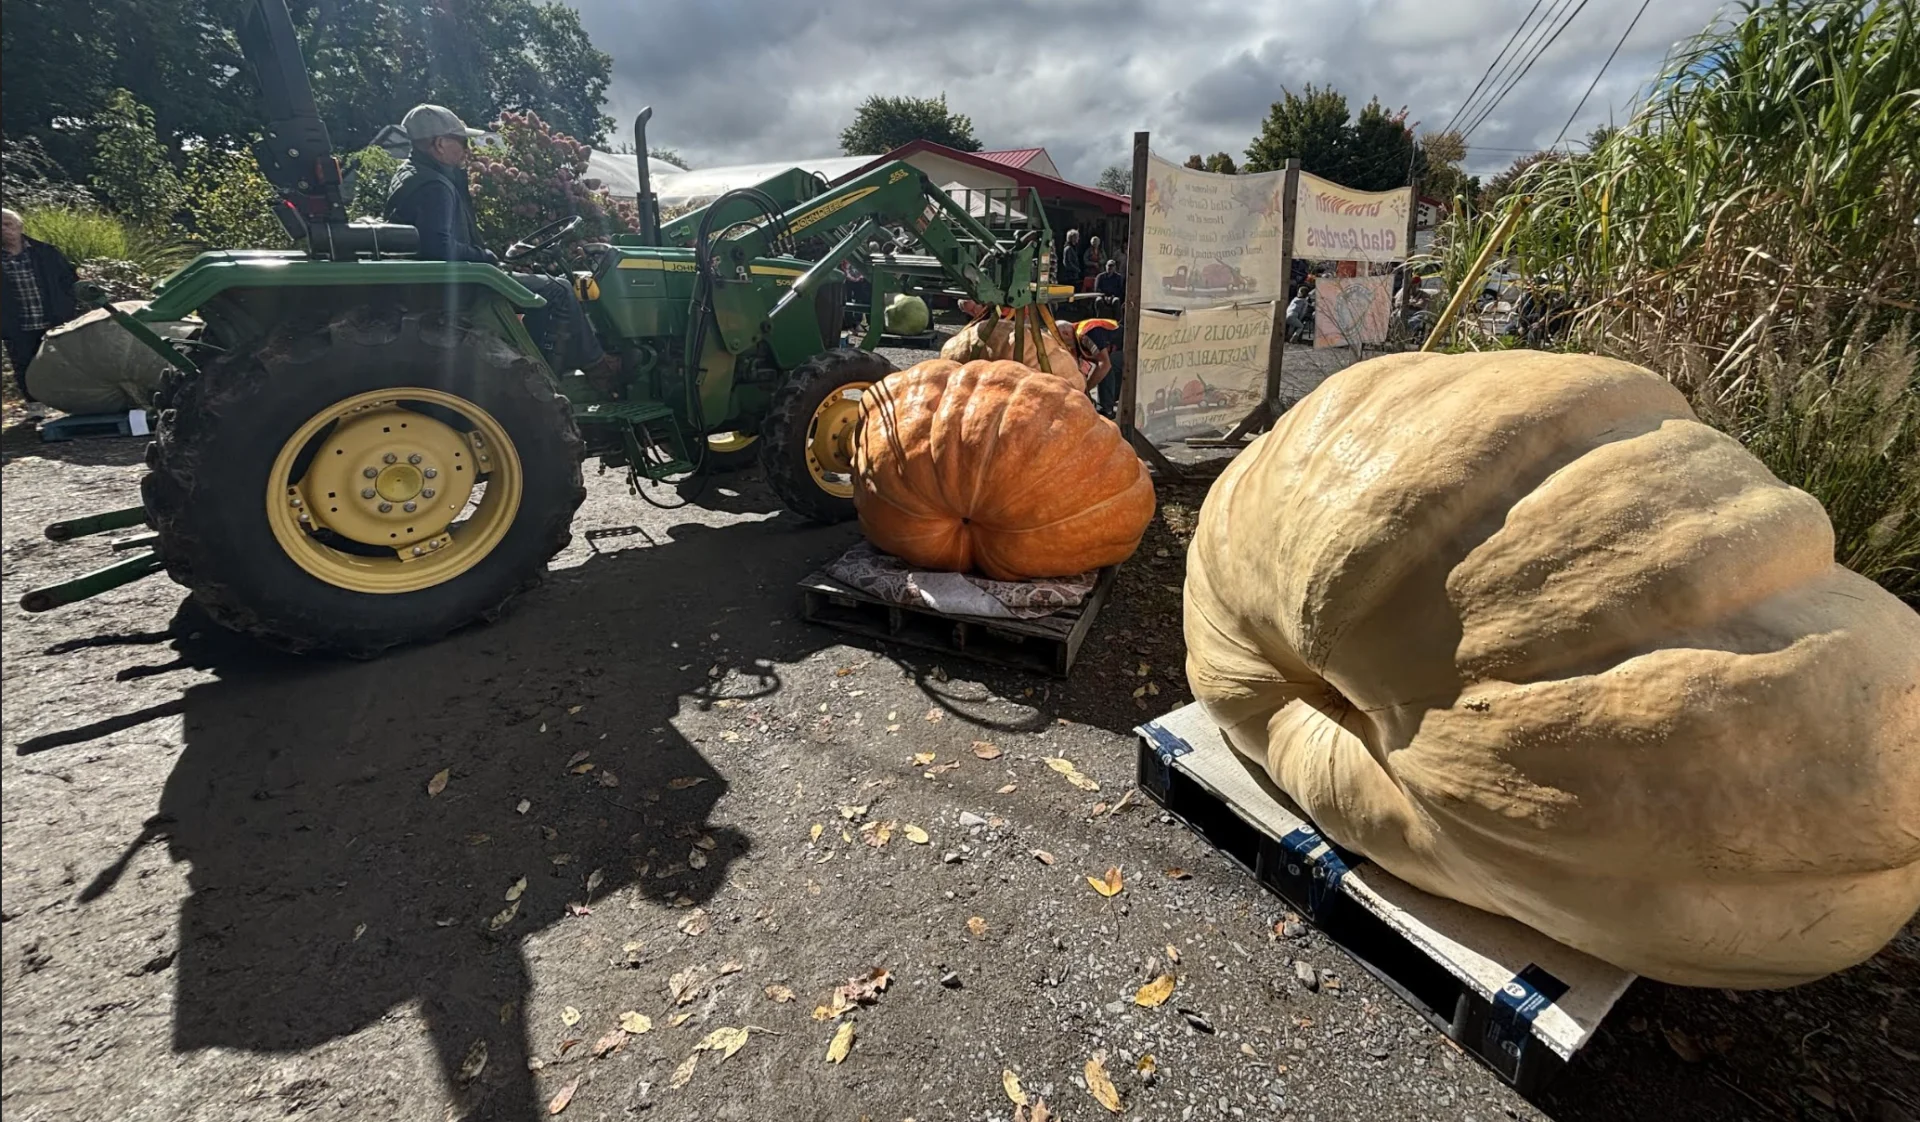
993 467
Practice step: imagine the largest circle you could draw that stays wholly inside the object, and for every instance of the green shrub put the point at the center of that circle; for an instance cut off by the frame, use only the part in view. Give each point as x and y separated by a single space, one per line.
130 165
539 175
230 202
77 232
372 169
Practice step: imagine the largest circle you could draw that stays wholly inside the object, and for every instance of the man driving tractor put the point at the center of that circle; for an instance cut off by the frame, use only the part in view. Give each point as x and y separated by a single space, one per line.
430 193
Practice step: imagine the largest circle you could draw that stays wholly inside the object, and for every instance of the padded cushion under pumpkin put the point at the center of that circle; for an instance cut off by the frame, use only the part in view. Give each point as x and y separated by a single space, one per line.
1523 631
995 468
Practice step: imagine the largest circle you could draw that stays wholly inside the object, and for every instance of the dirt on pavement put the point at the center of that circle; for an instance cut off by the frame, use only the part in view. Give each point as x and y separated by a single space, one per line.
244 886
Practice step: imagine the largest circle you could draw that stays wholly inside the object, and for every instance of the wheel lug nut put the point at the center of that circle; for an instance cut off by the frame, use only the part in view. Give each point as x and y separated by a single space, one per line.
295 503
427 494
370 473
386 508
389 458
417 551
410 507
430 473
367 492
414 459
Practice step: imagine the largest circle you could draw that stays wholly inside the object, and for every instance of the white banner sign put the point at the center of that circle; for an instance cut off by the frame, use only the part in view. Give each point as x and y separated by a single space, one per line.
1200 371
1335 223
1211 239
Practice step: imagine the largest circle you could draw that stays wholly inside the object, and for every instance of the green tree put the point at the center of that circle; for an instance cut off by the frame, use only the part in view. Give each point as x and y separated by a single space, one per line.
1502 185
1221 163
1310 125
1441 155
670 155
131 170
1115 178
882 124
230 202
1380 150
1195 162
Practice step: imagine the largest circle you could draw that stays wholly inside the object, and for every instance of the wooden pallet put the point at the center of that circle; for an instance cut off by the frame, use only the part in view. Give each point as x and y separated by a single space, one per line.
1048 645
1518 1001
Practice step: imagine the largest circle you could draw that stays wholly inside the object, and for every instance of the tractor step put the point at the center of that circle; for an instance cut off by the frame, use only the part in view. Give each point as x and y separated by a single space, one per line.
1048 645
1514 999
645 427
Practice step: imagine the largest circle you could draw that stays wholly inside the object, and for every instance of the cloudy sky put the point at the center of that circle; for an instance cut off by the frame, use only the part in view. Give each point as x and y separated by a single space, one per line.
750 81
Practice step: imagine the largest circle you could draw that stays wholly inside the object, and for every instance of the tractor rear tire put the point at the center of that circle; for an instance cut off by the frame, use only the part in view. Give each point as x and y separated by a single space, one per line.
806 444
226 523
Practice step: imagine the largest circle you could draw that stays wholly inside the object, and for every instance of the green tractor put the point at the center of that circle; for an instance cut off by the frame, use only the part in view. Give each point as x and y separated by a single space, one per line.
365 449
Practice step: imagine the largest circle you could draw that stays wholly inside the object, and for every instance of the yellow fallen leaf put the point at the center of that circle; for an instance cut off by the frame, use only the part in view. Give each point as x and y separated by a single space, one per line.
683 782
706 842
439 781
697 923
582 769
726 1041
985 750
813 835
1173 953
978 926
636 1023
565 1096
505 917
922 759
822 1013
610 1043
1006 790
842 1043
915 834
515 889
1110 885
1043 856
732 966
1154 993
779 994
679 1019
1066 768
1177 873
1101 1087
570 1016
1011 1082
1147 1066
852 812
684 1072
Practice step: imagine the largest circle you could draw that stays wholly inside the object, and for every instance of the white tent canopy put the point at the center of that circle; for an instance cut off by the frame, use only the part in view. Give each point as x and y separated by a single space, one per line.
621 174
683 188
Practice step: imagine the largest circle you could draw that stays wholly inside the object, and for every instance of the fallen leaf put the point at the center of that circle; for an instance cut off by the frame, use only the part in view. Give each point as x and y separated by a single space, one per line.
1043 856
594 880
842 1043
696 923
474 1064
1011 1082
922 759
978 926
1101 1087
725 1041
565 1096
582 769
577 756
684 1072
731 966
572 709
686 984
636 1023
1098 809
706 842
696 859
524 806
505 917
1040 1112
863 989
608 779
852 812
915 834
1066 768
933 716
1154 993
439 782
1148 1067
1126 801
814 834
1108 886
610 1043
359 929
986 751
1683 1045
1178 873
779 994
1007 790
1173 953
681 783
678 1019
570 1016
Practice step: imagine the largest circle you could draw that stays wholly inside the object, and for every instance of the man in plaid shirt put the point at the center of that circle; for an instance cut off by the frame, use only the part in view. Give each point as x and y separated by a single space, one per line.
36 294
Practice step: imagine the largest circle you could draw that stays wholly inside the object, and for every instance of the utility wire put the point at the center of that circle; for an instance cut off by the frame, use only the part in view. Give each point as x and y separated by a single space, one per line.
1523 73
1631 24
1512 64
1496 61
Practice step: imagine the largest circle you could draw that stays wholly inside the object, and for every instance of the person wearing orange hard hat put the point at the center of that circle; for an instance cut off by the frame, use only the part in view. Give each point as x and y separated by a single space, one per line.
1098 342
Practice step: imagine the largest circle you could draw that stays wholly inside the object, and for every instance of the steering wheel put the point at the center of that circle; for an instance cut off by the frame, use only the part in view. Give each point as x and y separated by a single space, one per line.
545 238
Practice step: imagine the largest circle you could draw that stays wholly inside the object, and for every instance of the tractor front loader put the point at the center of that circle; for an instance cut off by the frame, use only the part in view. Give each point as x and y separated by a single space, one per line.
364 448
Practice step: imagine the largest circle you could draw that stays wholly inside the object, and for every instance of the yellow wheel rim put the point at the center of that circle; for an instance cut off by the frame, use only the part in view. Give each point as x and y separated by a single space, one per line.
829 442
372 495
724 442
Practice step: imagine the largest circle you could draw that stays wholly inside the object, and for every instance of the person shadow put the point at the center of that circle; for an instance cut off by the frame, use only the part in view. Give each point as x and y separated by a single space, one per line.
415 828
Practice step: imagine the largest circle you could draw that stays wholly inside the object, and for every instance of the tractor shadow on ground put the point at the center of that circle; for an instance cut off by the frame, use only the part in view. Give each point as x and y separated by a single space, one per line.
21 441
334 879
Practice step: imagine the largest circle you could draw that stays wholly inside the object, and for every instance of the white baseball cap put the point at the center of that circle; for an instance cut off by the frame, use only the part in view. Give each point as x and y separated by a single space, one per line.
426 122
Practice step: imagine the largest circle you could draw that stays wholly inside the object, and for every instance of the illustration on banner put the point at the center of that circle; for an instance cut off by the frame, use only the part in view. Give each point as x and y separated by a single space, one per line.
1211 238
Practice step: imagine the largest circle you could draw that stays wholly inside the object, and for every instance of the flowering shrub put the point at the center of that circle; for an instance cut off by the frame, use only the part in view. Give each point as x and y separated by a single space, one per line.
536 176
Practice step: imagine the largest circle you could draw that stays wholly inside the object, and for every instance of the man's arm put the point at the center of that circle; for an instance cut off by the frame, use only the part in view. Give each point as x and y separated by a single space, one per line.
434 217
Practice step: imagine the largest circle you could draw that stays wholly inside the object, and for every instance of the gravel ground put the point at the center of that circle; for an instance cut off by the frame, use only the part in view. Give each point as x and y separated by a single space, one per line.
229 892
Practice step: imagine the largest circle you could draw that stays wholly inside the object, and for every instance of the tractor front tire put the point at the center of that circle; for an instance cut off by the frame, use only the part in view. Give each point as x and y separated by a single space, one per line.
807 439
355 484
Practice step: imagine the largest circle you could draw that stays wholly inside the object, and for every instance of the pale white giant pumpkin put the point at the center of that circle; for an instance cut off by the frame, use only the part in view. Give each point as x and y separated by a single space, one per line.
1523 631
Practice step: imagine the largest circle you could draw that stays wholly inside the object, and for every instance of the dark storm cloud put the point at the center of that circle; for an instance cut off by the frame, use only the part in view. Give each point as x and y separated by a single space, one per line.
750 81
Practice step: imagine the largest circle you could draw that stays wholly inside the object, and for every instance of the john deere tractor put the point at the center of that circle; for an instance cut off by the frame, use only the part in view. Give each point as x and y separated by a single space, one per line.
364 449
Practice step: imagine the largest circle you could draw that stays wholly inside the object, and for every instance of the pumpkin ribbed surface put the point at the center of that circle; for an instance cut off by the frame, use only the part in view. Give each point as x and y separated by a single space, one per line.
993 340
1522 630
992 467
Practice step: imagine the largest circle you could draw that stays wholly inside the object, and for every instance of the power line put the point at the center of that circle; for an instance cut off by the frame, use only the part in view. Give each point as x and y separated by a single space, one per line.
1496 61
1528 43
1523 73
1631 24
